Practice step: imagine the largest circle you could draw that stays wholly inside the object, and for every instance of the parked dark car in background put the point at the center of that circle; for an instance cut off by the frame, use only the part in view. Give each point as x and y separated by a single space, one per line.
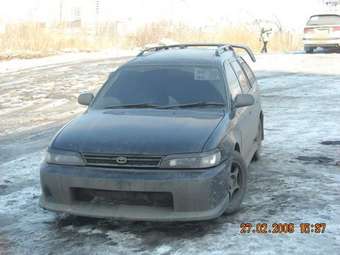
169 137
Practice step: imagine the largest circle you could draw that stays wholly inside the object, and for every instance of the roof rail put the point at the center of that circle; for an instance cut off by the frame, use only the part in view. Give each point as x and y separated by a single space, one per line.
246 48
221 48
181 46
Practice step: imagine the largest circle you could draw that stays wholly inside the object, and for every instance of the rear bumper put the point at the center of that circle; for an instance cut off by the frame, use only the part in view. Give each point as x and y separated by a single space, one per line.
326 43
196 194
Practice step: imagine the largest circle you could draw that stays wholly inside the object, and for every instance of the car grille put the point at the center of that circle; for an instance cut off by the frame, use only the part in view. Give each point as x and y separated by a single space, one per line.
133 198
121 161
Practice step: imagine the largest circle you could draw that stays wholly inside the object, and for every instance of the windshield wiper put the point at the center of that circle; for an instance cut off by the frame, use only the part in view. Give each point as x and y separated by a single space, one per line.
142 105
195 104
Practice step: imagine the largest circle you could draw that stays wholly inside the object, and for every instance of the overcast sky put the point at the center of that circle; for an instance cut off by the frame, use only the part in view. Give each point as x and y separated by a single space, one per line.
291 13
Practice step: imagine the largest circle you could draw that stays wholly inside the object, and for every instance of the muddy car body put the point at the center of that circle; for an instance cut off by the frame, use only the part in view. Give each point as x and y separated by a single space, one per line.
167 138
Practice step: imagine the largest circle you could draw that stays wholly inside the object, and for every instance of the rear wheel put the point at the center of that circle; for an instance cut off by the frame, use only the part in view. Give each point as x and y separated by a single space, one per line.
237 183
309 50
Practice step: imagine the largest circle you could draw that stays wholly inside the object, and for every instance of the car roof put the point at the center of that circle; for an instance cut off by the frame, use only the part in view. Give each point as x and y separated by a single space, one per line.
184 56
326 14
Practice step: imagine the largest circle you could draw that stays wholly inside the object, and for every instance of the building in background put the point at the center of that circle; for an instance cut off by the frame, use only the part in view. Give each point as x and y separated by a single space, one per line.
77 12
129 14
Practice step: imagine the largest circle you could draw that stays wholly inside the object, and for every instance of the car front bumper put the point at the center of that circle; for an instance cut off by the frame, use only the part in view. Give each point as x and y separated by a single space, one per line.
196 194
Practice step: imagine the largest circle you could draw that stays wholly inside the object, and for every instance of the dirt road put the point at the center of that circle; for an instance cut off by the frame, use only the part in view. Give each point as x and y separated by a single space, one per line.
296 181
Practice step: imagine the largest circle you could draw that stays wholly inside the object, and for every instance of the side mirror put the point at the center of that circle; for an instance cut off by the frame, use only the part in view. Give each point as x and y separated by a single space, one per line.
243 100
85 98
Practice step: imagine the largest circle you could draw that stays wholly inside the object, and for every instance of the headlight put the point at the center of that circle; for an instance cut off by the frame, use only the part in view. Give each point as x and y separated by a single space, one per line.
201 160
64 158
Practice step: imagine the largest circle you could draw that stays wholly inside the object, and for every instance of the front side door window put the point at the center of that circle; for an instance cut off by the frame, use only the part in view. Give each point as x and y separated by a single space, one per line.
244 82
248 71
233 83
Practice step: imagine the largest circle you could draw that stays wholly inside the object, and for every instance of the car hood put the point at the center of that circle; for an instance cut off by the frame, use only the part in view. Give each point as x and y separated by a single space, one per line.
139 131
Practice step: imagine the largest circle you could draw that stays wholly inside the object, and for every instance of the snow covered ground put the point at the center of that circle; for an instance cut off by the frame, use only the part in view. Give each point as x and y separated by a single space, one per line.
49 89
296 181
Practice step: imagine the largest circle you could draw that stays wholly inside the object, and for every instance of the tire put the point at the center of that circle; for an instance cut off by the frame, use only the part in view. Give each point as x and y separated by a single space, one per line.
259 139
309 50
237 197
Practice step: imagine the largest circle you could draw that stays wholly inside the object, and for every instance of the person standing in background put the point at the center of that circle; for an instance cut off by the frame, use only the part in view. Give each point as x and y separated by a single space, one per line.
265 33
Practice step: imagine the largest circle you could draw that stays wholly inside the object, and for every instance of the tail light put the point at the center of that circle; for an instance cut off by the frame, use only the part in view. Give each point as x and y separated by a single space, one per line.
307 30
337 28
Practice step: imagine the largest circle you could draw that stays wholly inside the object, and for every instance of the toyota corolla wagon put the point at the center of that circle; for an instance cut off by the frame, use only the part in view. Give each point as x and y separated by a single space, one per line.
168 137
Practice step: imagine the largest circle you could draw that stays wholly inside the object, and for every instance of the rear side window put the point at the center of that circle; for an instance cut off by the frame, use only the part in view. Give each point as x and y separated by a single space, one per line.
320 20
233 83
248 71
245 86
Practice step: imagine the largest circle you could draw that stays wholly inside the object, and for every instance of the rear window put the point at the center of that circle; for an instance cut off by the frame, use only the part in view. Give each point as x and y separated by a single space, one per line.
324 20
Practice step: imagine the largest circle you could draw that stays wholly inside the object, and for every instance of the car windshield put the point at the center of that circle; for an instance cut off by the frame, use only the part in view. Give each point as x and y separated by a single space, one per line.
320 20
162 87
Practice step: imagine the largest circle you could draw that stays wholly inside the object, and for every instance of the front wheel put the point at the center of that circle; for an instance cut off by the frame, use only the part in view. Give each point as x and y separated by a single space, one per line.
237 186
259 139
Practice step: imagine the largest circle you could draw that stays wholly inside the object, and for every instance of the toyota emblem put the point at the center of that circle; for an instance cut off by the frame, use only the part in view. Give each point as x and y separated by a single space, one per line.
121 160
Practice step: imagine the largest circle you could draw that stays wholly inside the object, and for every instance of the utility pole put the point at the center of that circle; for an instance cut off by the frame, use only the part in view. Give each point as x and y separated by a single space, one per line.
60 11
97 15
97 7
